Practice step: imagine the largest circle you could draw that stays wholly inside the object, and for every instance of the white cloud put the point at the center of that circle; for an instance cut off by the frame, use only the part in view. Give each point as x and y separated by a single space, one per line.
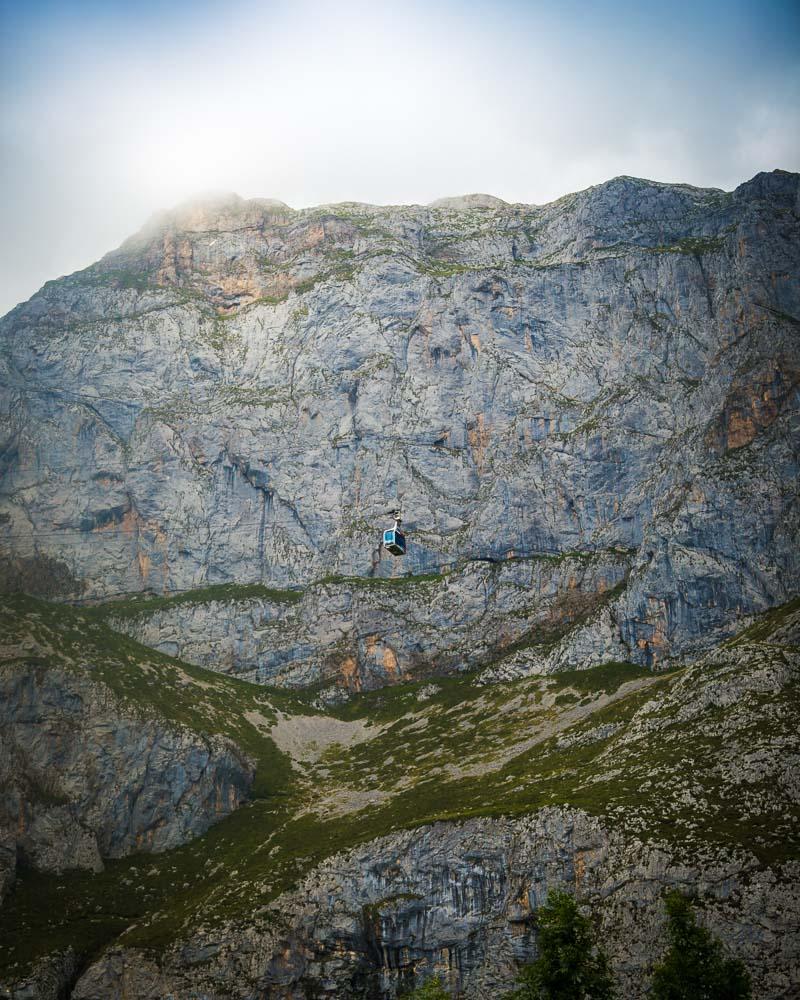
111 120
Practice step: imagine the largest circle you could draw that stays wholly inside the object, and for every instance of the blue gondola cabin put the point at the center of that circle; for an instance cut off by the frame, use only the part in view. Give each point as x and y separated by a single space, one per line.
394 541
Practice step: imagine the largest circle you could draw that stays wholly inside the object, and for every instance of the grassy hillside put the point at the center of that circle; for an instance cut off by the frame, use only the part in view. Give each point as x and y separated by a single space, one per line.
678 757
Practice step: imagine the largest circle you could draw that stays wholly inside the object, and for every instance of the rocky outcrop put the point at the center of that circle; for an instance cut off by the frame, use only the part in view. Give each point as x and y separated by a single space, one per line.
51 979
83 777
459 901
615 784
356 635
241 391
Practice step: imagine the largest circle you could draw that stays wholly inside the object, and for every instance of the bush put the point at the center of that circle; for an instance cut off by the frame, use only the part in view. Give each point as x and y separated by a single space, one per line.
569 966
695 966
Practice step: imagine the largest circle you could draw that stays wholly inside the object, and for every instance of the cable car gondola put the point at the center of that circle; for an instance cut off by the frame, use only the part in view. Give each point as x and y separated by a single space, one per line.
394 540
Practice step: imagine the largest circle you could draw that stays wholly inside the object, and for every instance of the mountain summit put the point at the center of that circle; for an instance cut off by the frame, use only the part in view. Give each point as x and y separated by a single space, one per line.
589 401
582 672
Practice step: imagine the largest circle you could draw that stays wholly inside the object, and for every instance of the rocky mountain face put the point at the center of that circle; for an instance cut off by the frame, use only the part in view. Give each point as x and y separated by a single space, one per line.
240 392
83 776
513 616
457 900
583 674
419 827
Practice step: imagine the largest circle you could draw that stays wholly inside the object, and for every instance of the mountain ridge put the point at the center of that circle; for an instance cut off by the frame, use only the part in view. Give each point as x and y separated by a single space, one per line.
610 372
202 201
247 753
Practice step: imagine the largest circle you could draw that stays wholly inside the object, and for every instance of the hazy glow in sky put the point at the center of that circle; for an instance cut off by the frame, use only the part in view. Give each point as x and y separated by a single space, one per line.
111 110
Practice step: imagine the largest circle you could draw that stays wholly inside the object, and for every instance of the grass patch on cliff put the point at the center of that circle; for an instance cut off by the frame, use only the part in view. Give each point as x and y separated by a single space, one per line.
434 732
409 580
692 245
145 604
647 752
148 683
763 629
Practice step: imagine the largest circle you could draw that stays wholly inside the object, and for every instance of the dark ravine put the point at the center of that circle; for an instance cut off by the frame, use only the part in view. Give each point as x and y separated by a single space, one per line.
584 674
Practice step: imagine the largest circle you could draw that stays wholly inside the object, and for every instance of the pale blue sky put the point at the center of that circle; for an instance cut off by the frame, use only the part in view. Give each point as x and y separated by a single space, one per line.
112 111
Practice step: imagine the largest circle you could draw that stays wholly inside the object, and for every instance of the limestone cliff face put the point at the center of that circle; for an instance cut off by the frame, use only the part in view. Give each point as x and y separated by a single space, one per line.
357 635
84 778
458 901
241 391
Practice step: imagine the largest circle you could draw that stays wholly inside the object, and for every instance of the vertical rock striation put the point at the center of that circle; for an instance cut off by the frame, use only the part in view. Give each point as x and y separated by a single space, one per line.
240 392
83 778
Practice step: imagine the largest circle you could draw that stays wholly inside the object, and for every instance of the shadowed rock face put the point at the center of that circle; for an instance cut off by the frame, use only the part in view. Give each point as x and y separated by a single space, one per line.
458 901
82 778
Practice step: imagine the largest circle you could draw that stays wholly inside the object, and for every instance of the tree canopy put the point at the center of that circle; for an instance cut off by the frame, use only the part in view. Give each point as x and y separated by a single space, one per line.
569 966
695 966
431 989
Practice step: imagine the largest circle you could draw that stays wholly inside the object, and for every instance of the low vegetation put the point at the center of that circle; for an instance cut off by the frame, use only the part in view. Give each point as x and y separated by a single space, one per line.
655 755
695 966
134 607
431 989
570 965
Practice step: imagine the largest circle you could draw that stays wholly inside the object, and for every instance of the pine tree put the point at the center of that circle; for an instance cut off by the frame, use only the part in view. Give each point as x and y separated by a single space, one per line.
695 966
431 989
569 966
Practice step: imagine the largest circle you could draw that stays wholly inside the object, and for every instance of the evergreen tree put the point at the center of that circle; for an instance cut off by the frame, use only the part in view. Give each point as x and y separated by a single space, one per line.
695 966
431 989
569 967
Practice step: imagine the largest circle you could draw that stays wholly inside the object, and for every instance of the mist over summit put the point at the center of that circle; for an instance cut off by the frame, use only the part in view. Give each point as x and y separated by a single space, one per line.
277 760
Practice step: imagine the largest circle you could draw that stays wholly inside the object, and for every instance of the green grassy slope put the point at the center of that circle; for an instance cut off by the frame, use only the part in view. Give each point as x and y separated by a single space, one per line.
659 756
139 605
